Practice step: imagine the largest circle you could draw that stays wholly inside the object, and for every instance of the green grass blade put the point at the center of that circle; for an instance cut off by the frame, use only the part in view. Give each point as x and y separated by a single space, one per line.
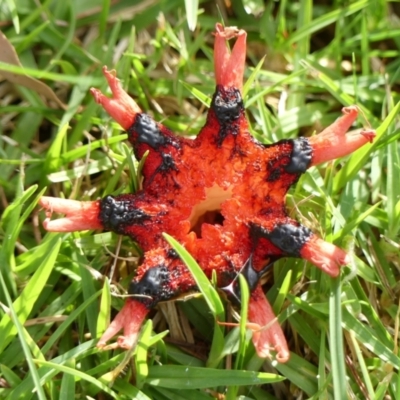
325 20
26 300
336 342
363 366
243 342
52 76
70 320
282 293
370 340
244 301
7 332
57 368
184 377
210 295
68 387
142 367
191 7
252 78
103 319
302 373
358 158
26 387
205 99
12 7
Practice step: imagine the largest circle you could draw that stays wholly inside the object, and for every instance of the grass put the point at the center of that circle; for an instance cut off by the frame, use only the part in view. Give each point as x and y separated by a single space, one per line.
55 294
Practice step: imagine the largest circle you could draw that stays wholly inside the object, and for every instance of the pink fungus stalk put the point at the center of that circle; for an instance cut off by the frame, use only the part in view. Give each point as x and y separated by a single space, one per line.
79 215
129 320
229 67
333 142
267 333
120 106
325 256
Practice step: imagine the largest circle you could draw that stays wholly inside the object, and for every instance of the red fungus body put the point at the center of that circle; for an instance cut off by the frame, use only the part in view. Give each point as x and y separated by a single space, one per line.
222 195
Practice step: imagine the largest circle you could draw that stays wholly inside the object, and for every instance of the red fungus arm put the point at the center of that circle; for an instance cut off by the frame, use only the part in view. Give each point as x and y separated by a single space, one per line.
269 336
120 106
130 320
229 67
333 142
324 255
79 215
144 133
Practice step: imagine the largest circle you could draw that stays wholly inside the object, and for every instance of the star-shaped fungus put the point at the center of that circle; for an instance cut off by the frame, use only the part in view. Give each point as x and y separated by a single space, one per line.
222 195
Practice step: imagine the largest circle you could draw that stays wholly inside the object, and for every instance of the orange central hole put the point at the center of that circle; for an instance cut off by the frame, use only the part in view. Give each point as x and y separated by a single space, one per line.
208 211
209 217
